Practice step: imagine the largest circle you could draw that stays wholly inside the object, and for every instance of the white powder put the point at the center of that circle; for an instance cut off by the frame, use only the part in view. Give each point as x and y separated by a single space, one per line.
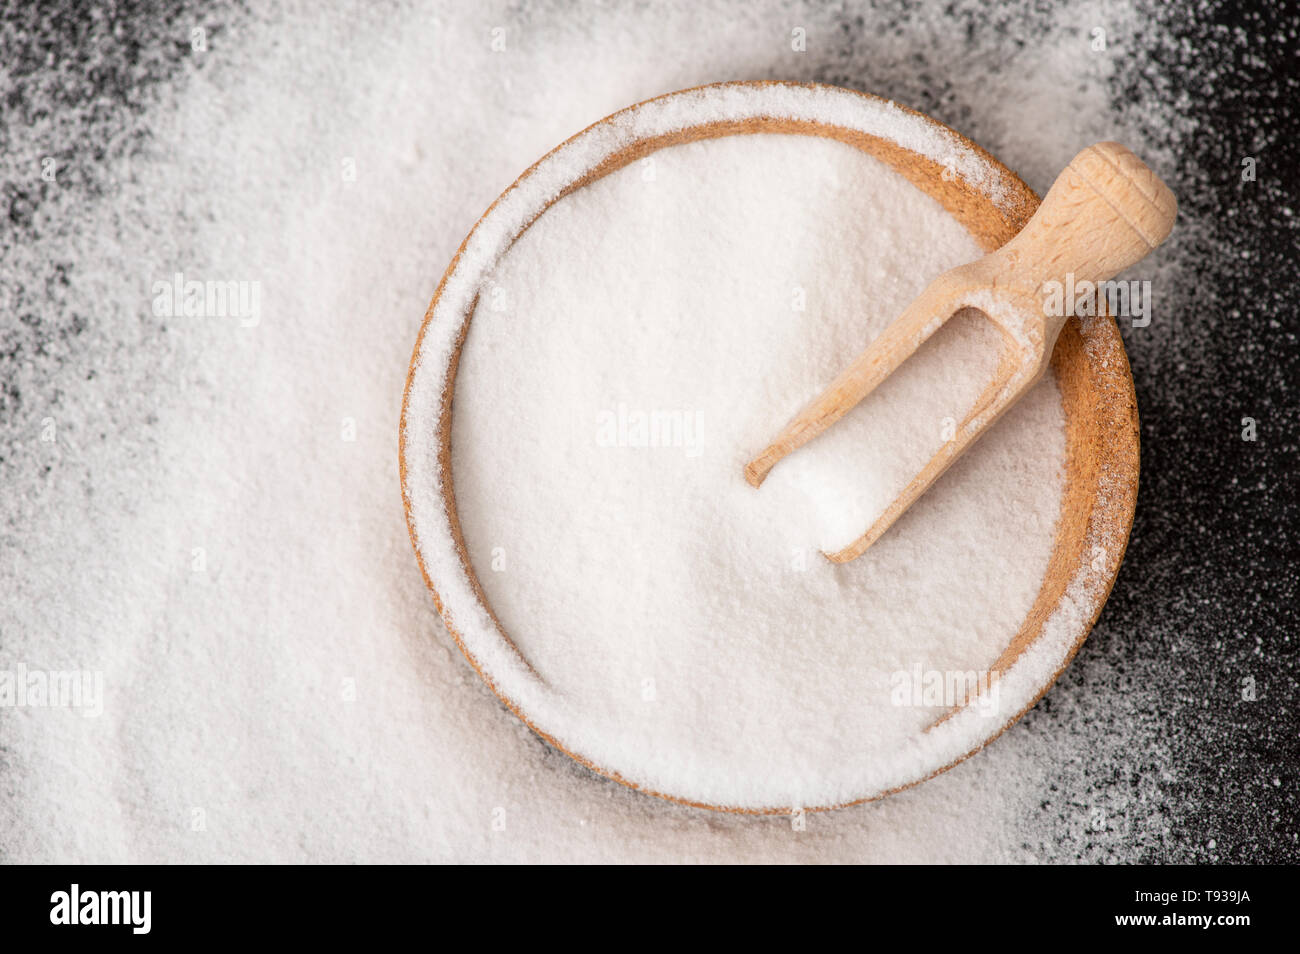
298 699
640 341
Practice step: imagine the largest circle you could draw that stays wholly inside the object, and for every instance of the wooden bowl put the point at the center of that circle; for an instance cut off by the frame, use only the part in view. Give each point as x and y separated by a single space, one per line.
991 202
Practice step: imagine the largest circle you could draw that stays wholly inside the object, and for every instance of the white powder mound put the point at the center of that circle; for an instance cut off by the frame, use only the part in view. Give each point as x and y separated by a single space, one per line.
638 342
216 525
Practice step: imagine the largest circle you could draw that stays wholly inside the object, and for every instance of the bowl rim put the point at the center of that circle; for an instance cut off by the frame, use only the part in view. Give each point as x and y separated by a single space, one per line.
1103 347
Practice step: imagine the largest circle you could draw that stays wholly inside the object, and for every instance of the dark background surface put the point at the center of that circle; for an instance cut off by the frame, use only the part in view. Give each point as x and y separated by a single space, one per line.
1206 598
1209 581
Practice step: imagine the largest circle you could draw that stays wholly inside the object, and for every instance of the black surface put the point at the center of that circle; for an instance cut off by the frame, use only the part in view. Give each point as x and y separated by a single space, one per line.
1207 594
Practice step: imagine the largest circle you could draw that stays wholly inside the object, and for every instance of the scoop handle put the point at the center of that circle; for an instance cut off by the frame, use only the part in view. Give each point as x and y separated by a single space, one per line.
1104 213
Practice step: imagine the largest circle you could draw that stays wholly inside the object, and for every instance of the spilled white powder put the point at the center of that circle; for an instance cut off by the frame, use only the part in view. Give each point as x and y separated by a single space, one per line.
297 699
634 347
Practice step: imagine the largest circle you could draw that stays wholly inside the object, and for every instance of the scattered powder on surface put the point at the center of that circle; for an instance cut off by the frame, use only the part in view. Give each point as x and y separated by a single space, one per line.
297 698
640 339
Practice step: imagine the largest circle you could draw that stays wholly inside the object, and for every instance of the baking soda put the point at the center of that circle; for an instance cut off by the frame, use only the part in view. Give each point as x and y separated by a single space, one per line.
684 629
292 695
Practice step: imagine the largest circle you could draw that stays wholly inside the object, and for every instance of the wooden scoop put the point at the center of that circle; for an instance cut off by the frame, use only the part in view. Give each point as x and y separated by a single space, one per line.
1104 213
